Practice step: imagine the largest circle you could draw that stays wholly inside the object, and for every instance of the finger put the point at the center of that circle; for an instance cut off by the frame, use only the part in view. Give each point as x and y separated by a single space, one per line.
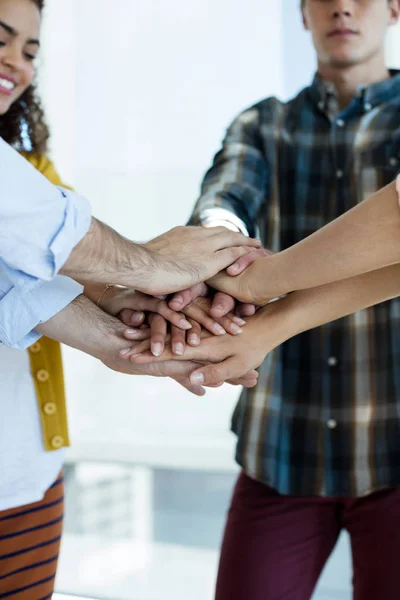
226 257
248 380
245 261
194 335
247 383
222 305
246 310
178 319
178 340
158 332
223 238
182 299
197 390
137 335
131 317
214 373
232 324
139 348
198 314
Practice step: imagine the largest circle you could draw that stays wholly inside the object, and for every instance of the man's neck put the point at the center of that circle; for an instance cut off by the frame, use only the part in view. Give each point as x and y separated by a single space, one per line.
348 80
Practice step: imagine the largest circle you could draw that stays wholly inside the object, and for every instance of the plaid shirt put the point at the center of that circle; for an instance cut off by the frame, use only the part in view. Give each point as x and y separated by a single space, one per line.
324 418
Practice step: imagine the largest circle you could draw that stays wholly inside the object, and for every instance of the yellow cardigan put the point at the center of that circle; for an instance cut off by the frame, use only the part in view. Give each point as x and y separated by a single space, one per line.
45 358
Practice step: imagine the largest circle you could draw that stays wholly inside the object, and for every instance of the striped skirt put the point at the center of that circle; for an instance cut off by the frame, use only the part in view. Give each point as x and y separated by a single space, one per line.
29 545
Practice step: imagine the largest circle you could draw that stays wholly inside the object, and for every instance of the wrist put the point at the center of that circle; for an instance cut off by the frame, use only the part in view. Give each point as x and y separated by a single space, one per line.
271 278
279 321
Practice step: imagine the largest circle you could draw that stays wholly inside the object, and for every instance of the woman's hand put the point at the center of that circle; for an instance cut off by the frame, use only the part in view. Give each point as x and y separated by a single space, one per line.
222 304
226 357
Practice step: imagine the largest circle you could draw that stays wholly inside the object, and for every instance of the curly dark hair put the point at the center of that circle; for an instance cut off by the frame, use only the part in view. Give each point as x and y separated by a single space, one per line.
24 125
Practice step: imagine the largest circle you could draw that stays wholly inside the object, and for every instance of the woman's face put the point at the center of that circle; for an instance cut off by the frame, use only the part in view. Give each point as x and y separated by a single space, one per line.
19 45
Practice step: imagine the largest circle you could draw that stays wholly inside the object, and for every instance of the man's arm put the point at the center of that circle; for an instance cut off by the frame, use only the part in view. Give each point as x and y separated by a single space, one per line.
281 320
234 187
364 239
173 261
232 193
84 326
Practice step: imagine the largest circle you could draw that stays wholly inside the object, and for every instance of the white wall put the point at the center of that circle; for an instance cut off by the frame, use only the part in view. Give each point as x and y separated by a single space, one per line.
393 47
139 97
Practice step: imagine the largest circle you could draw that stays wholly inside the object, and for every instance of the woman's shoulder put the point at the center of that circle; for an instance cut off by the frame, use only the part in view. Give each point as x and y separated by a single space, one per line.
45 166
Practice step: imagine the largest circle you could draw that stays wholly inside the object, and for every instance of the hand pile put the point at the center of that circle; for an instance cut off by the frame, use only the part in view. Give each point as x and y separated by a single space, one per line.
199 324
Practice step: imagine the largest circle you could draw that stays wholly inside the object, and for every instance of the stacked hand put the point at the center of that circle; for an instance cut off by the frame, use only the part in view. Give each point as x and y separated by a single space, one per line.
153 324
197 324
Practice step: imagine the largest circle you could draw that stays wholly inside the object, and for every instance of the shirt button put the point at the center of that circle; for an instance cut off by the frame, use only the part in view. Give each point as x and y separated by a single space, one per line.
393 161
50 408
57 441
332 361
340 123
42 375
332 424
321 105
35 348
339 174
367 106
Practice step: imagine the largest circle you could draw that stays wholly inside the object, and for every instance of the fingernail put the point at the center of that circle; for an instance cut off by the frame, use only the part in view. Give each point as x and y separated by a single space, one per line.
132 331
197 379
218 308
218 330
179 349
156 349
239 321
185 324
236 330
178 300
194 339
125 352
234 268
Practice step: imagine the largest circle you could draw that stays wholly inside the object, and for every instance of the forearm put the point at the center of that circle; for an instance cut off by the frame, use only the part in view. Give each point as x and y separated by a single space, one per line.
104 256
311 308
84 326
364 239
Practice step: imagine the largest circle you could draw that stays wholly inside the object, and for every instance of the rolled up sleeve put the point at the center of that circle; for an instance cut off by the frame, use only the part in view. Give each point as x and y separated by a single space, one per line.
40 223
28 303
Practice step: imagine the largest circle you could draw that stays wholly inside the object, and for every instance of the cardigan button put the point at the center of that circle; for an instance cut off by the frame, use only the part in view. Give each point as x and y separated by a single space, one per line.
42 375
57 442
50 408
35 348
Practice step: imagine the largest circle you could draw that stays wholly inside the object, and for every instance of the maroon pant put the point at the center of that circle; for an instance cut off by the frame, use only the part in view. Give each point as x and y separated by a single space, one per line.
275 546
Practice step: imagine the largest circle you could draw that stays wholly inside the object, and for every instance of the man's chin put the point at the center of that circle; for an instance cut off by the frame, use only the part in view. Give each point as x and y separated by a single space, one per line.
344 61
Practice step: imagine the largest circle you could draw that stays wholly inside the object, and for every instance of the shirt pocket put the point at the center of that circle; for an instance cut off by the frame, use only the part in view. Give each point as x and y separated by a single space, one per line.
377 166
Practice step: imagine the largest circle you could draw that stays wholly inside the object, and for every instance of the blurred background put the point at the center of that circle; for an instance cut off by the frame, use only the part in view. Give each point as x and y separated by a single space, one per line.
138 95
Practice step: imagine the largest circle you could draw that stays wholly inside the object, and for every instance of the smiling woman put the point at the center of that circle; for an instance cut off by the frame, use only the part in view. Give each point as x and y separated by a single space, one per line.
19 103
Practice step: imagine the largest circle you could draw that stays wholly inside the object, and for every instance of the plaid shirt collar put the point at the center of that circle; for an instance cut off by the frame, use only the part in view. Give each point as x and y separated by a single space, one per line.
323 94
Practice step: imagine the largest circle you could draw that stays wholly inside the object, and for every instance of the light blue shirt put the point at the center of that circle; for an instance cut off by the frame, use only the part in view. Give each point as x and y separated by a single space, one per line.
40 224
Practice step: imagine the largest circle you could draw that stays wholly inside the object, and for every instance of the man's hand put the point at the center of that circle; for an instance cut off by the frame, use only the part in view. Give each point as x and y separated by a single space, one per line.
171 262
185 256
84 326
